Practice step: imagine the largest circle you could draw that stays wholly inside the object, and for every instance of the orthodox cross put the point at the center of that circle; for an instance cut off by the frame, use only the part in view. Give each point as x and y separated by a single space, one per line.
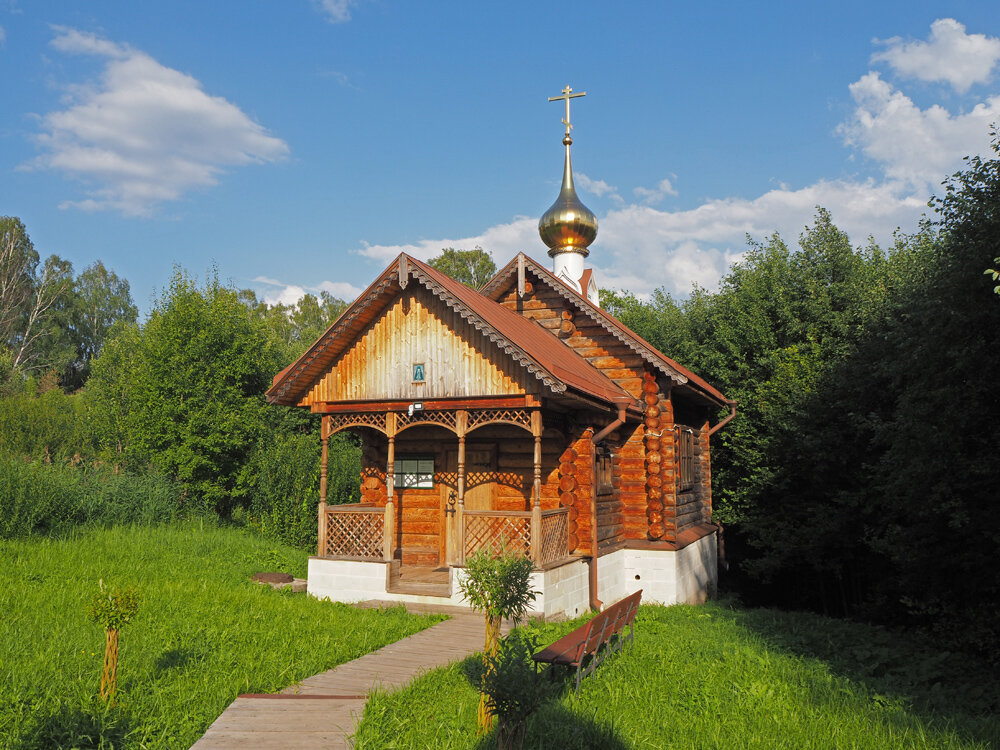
567 95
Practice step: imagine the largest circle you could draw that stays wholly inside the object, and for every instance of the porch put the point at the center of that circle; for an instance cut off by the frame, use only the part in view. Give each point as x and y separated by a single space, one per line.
440 482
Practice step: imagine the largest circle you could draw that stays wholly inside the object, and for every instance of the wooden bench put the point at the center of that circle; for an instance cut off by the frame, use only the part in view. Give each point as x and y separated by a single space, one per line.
587 646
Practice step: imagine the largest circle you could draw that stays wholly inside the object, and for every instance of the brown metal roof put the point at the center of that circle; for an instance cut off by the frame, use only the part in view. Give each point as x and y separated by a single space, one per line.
548 358
496 286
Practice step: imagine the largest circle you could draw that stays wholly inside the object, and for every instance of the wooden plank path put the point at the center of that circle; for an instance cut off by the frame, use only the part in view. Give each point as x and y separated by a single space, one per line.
322 711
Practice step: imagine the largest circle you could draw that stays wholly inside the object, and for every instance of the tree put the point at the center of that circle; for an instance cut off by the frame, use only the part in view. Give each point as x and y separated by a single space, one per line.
472 267
99 300
293 328
185 390
499 586
32 299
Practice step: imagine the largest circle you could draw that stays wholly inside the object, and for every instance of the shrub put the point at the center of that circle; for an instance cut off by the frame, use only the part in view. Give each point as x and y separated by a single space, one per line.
39 498
500 587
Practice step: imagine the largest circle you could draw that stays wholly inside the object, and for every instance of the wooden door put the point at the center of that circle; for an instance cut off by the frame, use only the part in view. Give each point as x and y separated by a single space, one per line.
480 484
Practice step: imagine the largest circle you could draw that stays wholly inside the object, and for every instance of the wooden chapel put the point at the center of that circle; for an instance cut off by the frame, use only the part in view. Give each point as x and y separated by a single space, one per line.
521 414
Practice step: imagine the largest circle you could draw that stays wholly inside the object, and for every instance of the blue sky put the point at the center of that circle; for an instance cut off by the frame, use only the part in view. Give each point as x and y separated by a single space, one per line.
299 145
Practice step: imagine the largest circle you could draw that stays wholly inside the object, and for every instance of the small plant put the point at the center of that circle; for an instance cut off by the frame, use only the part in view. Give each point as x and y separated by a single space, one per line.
499 586
512 691
114 609
995 274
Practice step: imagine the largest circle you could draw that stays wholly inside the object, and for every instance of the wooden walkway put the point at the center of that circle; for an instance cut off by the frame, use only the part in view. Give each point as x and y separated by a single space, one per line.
322 711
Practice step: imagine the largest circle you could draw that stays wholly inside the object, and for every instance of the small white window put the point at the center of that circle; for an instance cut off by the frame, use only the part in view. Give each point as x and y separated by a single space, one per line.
414 472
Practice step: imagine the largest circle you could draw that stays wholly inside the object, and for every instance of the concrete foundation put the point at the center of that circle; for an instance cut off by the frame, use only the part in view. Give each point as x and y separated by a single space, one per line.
685 576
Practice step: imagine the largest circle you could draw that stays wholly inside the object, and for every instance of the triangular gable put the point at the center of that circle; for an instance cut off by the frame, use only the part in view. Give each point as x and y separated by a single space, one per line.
417 348
542 356
507 277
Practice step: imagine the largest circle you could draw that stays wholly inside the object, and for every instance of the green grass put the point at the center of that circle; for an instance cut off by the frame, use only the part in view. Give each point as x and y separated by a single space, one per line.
714 677
204 634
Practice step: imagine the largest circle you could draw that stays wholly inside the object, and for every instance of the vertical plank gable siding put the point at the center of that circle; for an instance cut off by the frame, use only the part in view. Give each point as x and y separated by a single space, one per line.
459 360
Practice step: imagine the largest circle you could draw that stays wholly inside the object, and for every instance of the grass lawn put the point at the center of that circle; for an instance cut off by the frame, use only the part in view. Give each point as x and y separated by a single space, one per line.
720 677
204 634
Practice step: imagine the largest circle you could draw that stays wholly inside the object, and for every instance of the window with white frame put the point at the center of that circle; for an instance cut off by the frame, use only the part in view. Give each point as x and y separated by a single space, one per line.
414 472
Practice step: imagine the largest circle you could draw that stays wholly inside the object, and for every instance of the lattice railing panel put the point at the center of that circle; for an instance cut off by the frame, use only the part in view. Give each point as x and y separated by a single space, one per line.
493 532
373 419
555 535
519 417
355 533
443 418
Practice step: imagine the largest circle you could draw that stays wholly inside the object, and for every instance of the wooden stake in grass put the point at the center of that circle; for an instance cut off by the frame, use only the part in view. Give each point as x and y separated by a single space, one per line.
114 609
499 586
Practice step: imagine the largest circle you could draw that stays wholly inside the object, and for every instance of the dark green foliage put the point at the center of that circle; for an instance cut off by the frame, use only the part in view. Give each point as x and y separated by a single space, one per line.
859 473
472 267
293 328
185 390
57 498
51 426
284 477
99 300
34 307
508 680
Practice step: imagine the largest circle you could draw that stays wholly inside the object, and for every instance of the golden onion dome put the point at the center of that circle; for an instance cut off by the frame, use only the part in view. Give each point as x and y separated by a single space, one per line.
568 226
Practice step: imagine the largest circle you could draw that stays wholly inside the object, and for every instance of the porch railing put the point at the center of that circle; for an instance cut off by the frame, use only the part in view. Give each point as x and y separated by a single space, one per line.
356 531
545 539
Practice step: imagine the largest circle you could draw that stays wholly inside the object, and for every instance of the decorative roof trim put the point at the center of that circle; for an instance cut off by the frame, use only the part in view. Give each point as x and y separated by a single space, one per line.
570 295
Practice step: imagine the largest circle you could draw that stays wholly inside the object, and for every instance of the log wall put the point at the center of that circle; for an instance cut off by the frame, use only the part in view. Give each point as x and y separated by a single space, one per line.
587 338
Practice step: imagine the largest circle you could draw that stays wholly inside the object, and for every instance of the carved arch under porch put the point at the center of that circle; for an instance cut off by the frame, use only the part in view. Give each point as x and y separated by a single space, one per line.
459 421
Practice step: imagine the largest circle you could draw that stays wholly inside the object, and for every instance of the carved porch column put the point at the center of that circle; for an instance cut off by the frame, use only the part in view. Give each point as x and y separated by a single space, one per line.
389 538
457 530
324 432
536 499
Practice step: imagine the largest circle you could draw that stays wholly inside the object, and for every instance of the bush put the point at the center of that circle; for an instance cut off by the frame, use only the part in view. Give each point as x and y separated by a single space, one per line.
284 476
52 425
41 498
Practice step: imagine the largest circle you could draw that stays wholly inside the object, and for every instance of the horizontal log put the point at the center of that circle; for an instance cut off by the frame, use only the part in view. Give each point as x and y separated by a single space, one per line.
609 532
430 528
420 514
411 501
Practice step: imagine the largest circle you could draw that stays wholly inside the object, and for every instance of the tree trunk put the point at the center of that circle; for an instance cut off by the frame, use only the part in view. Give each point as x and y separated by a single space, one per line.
484 715
109 677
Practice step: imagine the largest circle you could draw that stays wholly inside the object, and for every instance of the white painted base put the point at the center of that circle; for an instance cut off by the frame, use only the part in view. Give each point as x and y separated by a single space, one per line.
687 576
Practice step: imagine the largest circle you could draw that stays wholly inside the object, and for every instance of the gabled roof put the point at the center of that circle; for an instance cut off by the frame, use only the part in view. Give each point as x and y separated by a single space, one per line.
507 276
550 360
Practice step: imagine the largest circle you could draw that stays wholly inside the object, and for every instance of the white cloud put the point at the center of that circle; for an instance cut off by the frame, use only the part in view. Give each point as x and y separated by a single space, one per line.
277 292
650 196
598 187
949 55
3 36
503 240
144 133
918 146
640 248
336 11
339 289
338 76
